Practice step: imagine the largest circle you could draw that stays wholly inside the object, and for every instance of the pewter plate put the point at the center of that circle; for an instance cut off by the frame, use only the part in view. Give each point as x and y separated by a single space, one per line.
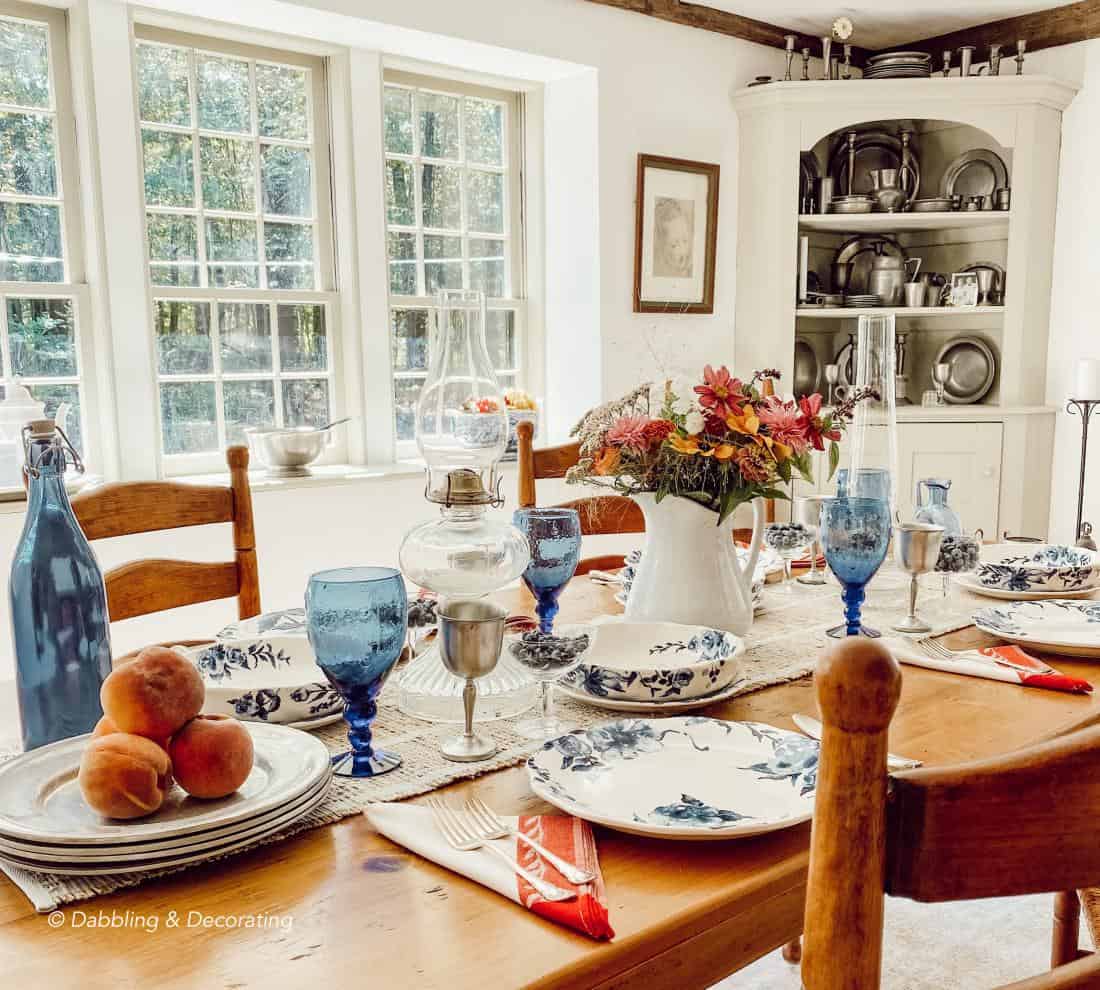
680 778
874 149
974 173
972 369
40 800
807 370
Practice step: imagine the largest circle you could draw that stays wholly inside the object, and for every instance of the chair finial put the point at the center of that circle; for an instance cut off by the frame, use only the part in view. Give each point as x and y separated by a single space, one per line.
858 685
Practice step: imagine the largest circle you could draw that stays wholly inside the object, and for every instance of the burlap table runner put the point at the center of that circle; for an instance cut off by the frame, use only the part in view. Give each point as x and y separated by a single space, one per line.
784 642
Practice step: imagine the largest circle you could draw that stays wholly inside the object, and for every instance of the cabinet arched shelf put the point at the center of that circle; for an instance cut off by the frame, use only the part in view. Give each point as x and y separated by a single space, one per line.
1017 117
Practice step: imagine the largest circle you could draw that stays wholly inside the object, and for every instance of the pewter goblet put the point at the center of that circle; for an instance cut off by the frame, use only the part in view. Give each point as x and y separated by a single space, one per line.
832 376
807 510
916 549
941 371
471 634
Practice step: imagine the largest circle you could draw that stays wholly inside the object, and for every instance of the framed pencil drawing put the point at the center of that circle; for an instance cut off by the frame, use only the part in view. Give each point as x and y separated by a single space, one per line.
675 235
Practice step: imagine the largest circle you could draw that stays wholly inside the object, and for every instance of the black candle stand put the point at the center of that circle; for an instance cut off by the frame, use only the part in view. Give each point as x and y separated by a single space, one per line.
1083 408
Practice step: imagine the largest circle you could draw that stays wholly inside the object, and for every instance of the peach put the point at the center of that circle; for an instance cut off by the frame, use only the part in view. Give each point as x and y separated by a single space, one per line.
153 695
124 776
211 756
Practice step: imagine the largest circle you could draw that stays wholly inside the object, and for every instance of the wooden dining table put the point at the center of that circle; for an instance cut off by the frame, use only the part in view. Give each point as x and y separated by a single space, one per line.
366 912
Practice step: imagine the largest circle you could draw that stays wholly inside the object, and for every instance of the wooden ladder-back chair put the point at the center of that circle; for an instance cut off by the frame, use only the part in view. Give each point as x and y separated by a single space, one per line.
600 514
1023 823
152 585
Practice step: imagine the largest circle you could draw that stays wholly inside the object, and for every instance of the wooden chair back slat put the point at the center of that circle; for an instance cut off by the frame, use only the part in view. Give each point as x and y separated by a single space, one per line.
126 508
144 586
600 515
1023 823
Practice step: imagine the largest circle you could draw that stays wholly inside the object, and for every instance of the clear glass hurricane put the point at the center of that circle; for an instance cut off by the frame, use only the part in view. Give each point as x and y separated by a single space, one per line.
356 618
872 438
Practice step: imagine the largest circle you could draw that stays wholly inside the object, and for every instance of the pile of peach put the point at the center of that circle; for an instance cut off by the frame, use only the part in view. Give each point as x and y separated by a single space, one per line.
152 733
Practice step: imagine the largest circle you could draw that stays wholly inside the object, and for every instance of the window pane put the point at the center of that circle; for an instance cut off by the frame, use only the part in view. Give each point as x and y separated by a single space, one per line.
410 339
52 396
230 240
400 196
228 174
188 417
169 169
286 181
402 253
442 263
484 132
399 127
485 201
183 338
438 125
500 337
487 266
406 393
223 94
245 332
233 276
30 243
163 85
27 154
41 337
182 275
24 64
303 345
290 277
282 101
292 244
305 402
247 404
439 189
172 237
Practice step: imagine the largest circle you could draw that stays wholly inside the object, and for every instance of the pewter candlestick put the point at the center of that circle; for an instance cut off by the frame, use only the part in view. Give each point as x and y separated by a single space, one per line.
1083 408
966 54
851 159
847 62
946 63
994 60
790 39
916 549
805 64
826 55
1021 47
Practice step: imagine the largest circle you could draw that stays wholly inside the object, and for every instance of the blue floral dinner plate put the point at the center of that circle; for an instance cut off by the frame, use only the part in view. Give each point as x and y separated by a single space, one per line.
1062 626
1045 568
680 778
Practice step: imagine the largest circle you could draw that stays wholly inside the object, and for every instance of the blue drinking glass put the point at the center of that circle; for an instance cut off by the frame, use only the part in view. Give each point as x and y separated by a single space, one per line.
357 618
855 533
554 537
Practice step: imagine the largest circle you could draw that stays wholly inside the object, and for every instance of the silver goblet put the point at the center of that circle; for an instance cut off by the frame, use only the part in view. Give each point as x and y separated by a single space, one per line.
807 510
832 376
471 634
941 371
916 549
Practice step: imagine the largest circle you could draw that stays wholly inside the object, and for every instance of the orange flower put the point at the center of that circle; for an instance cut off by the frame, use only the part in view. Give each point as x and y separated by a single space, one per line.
607 461
721 452
748 424
683 445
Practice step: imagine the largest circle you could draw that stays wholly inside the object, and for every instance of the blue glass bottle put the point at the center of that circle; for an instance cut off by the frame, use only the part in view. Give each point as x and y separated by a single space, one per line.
58 603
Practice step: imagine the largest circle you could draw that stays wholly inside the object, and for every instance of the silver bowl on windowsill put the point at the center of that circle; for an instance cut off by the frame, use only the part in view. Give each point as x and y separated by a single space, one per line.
287 452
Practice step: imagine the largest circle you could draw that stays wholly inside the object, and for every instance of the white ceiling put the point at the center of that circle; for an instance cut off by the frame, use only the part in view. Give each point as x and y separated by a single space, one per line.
882 23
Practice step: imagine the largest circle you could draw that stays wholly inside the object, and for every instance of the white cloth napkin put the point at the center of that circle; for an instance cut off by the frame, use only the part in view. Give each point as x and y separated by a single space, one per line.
906 652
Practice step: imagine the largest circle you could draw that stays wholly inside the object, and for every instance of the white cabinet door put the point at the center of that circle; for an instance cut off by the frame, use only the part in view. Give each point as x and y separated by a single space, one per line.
968 454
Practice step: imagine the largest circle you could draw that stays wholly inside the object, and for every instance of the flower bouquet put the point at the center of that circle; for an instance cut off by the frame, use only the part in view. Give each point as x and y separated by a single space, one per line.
715 445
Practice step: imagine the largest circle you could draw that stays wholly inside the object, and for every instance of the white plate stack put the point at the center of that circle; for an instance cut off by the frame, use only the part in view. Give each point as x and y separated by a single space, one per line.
46 826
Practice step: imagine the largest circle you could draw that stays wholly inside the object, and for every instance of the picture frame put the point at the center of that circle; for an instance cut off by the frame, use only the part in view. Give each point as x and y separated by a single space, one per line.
675 235
964 289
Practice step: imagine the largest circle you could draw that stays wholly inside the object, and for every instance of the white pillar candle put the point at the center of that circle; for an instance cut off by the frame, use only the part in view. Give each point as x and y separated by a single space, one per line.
1087 382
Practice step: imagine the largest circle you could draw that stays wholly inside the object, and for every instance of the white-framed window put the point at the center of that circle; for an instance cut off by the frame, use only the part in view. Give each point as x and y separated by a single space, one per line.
43 297
238 216
454 220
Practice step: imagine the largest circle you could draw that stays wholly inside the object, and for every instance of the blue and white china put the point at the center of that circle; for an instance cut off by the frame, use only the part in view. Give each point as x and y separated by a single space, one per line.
1044 568
680 778
970 582
1063 626
284 622
670 706
273 679
657 661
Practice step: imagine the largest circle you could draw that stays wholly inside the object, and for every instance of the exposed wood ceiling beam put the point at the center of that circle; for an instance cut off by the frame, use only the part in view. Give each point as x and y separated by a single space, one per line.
1042 29
735 25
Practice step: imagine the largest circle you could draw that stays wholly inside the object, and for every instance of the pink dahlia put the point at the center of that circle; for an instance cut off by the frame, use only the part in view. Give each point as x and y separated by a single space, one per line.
785 422
720 393
630 431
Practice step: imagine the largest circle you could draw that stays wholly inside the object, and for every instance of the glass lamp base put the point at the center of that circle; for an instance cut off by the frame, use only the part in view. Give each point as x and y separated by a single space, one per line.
543 728
841 632
352 764
468 749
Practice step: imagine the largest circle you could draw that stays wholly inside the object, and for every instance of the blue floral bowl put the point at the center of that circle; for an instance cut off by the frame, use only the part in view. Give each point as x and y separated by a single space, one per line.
267 679
1046 568
657 661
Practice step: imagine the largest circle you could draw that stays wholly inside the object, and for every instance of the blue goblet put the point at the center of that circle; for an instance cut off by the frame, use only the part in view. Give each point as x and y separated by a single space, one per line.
554 537
356 618
855 533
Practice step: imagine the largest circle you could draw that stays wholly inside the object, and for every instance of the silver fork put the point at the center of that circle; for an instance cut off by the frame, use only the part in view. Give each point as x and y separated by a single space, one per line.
490 826
456 830
934 649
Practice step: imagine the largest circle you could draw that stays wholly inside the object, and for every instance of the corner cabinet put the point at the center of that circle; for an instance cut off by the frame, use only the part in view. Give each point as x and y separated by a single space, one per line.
997 451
